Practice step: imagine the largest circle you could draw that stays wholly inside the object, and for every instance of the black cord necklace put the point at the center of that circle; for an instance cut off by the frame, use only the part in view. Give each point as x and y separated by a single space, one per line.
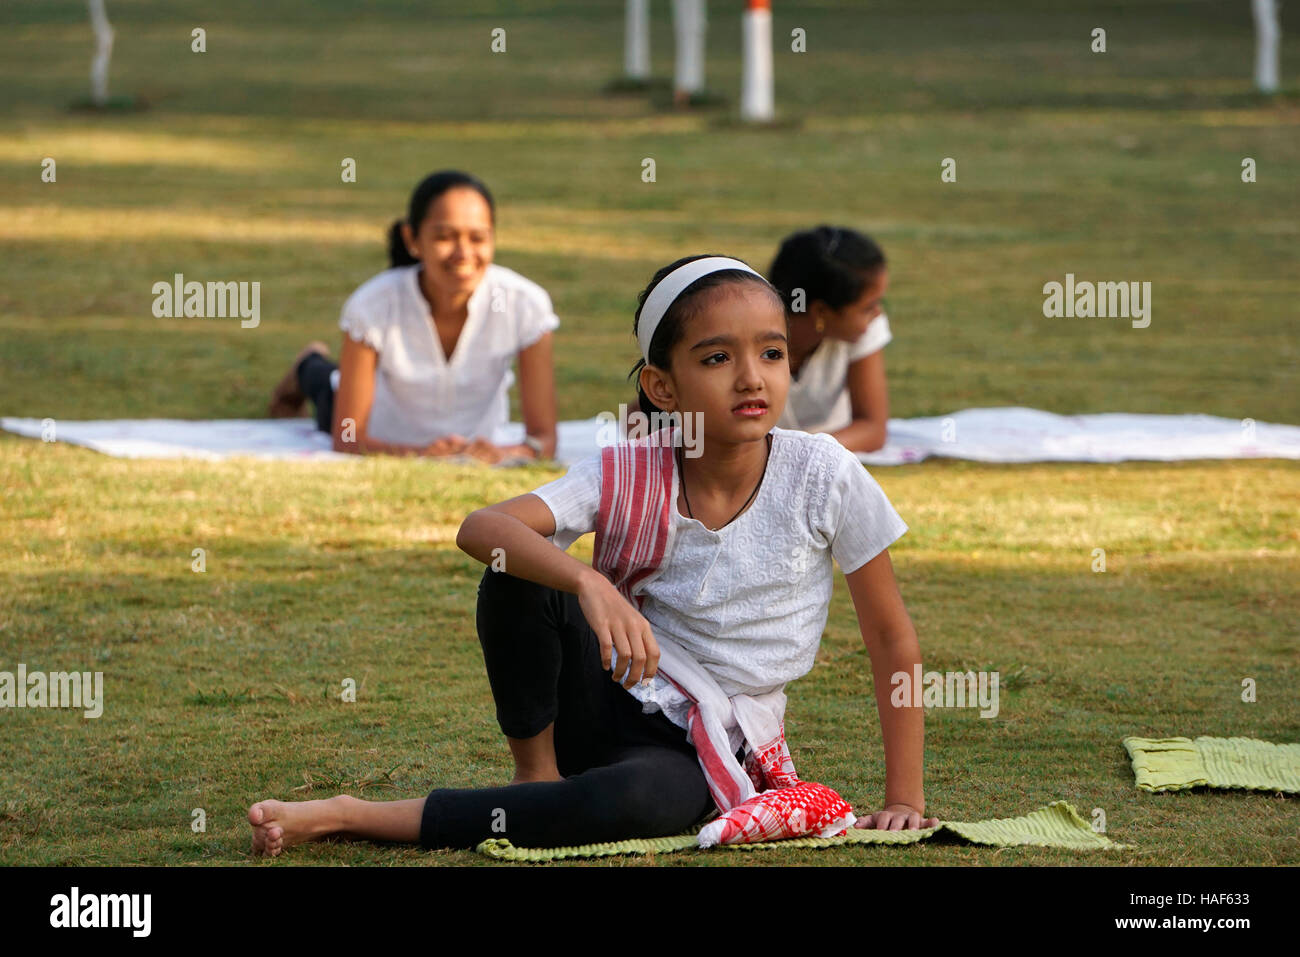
681 471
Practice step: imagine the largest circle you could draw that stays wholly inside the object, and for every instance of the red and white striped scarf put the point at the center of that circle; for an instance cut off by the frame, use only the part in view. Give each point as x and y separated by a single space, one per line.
764 799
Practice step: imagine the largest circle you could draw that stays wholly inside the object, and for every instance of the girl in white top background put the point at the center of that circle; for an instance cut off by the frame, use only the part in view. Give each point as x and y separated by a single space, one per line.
429 344
833 281
744 587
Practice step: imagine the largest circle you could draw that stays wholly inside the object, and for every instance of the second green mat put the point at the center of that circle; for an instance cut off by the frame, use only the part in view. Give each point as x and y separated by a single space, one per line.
1176 764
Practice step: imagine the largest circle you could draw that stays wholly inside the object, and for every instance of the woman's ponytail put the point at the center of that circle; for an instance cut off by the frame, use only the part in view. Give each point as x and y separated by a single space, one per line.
398 254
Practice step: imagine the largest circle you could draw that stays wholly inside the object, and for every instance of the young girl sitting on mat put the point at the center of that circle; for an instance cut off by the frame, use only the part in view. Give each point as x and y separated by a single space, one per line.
631 691
425 368
833 281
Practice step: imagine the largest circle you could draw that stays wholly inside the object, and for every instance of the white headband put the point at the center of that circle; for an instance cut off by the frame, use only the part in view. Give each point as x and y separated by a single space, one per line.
670 287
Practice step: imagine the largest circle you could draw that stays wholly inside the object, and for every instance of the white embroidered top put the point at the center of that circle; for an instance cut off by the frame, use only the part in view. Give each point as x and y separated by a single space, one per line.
819 397
749 601
420 394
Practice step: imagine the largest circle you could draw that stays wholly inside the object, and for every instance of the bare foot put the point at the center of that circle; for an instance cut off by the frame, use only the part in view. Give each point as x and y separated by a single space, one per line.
282 824
286 401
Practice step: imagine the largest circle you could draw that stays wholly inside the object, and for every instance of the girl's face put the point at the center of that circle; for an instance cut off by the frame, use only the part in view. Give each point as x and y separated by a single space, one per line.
456 241
850 322
733 354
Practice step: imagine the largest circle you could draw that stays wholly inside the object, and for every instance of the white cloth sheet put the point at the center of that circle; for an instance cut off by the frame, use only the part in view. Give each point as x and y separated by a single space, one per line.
983 435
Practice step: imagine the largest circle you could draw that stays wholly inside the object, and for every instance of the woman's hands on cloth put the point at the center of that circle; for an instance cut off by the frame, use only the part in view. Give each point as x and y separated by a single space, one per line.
485 451
478 448
446 445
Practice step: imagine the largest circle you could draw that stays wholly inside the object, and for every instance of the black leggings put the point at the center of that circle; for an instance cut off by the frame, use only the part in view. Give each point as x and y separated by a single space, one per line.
627 774
314 382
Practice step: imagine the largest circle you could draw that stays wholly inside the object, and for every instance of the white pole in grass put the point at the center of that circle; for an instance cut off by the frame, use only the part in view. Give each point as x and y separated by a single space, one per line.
103 50
1267 36
756 77
636 40
689 25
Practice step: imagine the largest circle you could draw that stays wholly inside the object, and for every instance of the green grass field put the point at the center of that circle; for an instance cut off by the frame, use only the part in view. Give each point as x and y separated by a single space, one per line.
222 687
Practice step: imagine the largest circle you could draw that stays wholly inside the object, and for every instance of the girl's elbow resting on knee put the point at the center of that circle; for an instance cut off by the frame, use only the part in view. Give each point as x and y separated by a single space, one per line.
473 538
465 534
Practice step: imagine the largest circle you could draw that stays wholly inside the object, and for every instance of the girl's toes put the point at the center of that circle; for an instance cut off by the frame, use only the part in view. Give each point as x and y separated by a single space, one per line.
261 845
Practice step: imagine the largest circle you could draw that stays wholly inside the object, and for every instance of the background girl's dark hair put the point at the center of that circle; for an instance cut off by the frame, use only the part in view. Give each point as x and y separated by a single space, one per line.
672 326
829 263
430 188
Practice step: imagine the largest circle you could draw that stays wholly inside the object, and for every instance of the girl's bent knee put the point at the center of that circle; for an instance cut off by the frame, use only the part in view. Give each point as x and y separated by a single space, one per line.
498 586
510 606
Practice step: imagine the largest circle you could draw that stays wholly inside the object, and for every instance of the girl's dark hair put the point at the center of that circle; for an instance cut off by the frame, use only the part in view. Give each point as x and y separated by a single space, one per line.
430 188
687 304
830 263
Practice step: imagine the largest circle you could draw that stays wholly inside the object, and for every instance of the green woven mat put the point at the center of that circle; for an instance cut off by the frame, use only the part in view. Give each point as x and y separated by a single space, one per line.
1057 825
1176 764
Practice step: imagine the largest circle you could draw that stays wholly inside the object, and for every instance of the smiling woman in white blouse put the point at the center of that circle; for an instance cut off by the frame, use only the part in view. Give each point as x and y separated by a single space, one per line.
429 343
833 281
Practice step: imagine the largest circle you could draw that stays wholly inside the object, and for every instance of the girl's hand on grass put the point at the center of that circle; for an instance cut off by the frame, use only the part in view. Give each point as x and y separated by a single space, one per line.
446 445
897 817
619 626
